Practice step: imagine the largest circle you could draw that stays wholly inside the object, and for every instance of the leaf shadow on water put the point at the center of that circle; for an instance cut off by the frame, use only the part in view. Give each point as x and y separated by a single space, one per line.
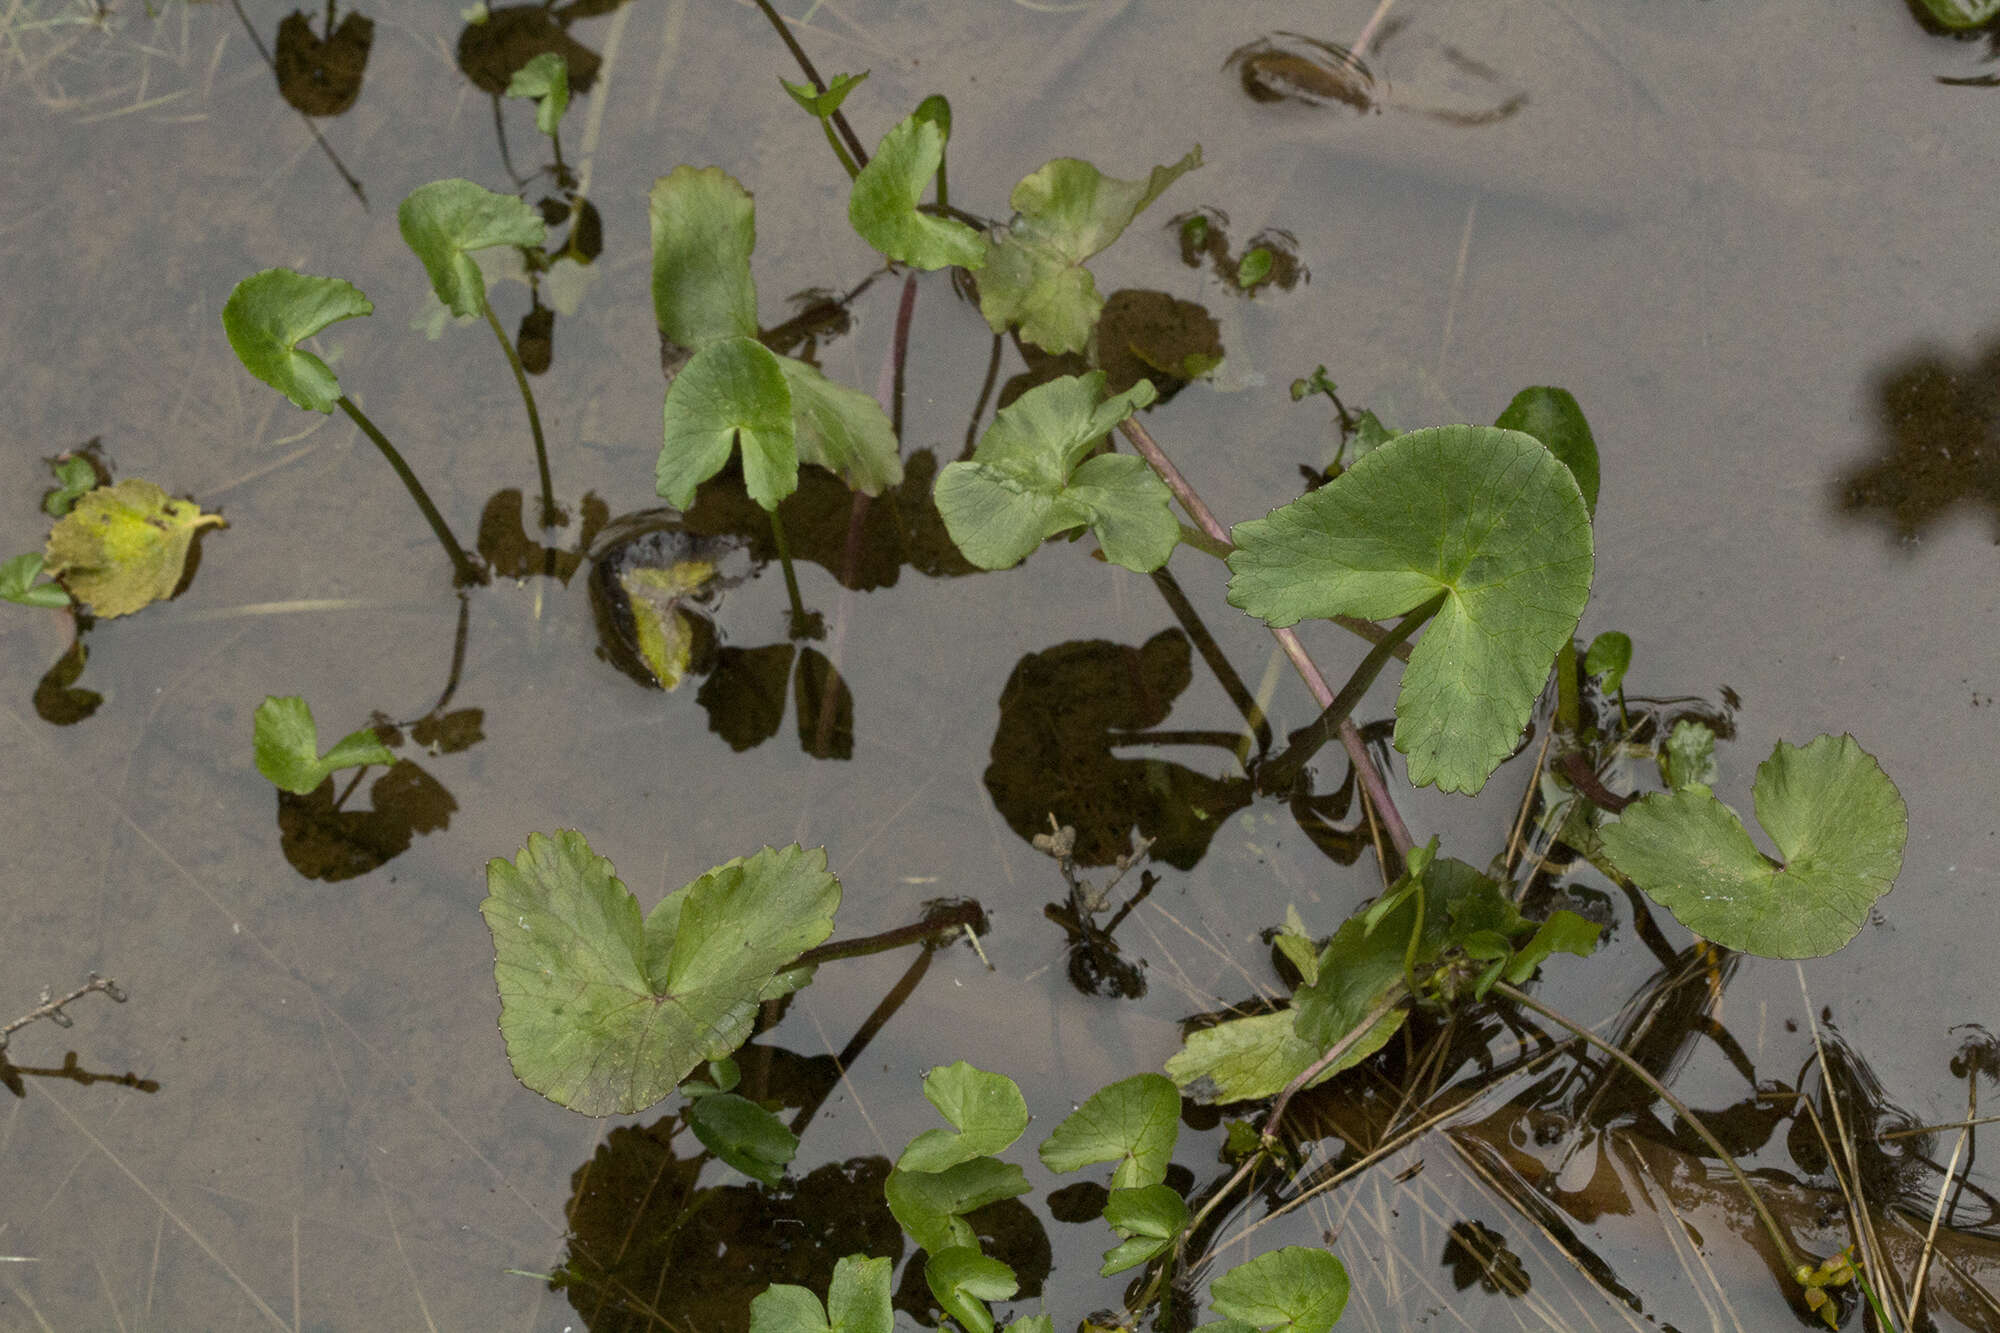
1938 417
325 841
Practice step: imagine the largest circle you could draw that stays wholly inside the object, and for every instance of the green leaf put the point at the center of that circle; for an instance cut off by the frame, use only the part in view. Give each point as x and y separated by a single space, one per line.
603 1012
1960 15
704 228
1133 1122
269 313
930 1205
1294 1290
857 1301
1552 416
883 204
1248 1058
963 1280
733 390
987 1110
1689 759
1033 1323
843 430
546 79
1065 212
1255 267
1149 1218
17 583
1835 818
1609 656
1029 480
1487 516
124 547
744 1134
1298 946
821 105
1564 932
75 477
287 746
445 221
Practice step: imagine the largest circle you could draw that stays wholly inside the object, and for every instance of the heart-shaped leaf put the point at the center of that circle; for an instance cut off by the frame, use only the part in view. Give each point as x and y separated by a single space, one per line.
123 547
604 1012
17 583
1148 1218
445 221
987 1110
857 1301
546 79
1065 212
1490 518
931 1205
268 314
287 747
1553 416
704 228
1835 818
1133 1122
733 390
744 1134
1029 480
963 1280
882 207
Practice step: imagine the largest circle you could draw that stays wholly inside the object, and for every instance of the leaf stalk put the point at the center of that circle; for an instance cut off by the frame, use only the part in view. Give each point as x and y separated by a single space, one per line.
466 572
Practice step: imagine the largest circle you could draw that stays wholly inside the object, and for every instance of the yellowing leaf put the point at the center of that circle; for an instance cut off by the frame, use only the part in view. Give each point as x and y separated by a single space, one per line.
123 547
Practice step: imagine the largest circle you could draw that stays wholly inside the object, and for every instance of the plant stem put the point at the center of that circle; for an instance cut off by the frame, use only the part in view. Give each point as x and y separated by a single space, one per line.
799 619
1350 735
1204 543
1569 707
465 572
954 917
839 149
52 1009
1390 1002
551 516
812 77
1659 1089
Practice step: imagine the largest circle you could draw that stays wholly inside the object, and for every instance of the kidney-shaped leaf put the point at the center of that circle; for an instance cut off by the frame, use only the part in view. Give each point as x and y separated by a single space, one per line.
1490 518
287 746
731 390
987 1110
1065 212
444 221
604 1012
1835 818
268 314
1024 483
704 228
124 547
1293 1290
931 1205
882 207
843 430
857 1301
1133 1122
546 79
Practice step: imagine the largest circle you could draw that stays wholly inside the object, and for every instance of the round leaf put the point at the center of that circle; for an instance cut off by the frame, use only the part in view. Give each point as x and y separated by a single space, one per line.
1133 1122
1295 1290
987 1109
444 221
124 547
1835 818
269 313
1487 516
882 207
732 390
704 228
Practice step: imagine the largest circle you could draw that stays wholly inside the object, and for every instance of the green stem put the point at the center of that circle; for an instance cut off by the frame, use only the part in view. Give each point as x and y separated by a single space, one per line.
551 516
799 618
1204 543
1569 708
943 192
839 149
465 571
1645 1076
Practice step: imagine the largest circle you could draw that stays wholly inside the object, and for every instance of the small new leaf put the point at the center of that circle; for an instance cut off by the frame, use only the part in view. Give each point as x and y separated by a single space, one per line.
1835 818
546 79
1609 657
123 547
445 221
268 314
821 105
882 206
17 583
287 746
963 1280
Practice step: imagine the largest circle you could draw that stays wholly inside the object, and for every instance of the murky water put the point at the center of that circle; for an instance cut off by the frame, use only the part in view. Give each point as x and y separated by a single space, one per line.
1755 240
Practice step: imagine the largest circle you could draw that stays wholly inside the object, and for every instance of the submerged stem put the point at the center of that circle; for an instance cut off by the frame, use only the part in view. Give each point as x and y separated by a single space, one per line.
466 572
551 516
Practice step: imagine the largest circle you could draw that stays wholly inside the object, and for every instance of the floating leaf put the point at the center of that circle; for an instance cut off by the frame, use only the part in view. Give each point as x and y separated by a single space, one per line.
445 221
820 105
731 390
546 79
987 1110
76 476
17 583
744 1134
1563 932
704 228
843 430
268 314
1835 818
603 1012
1065 212
1133 1122
963 1280
287 746
124 547
1029 479
1293 1290
930 1205
1149 1218
1609 656
1961 15
1490 518
857 1301
883 204
1248 1058
1553 416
